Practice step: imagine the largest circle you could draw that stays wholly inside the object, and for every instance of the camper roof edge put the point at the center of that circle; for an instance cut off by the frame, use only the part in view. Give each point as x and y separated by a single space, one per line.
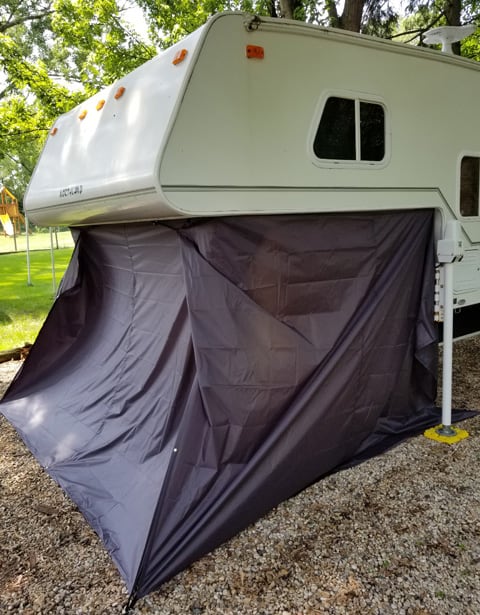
354 38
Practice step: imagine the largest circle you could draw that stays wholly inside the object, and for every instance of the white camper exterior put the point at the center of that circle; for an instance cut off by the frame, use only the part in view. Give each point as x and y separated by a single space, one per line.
236 119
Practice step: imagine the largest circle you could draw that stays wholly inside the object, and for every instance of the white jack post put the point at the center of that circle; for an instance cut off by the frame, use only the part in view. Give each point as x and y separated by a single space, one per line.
52 260
449 251
27 235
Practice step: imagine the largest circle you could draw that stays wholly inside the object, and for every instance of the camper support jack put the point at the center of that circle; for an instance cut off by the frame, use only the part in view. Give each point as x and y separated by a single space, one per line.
449 251
446 428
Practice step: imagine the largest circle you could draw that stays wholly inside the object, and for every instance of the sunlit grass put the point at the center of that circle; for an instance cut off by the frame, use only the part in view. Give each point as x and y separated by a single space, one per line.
23 308
37 241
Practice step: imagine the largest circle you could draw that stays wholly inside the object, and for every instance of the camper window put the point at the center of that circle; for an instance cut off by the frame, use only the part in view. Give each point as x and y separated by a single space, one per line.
469 185
351 129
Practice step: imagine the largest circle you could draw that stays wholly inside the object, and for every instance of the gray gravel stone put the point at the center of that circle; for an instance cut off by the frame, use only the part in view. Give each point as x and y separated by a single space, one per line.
399 534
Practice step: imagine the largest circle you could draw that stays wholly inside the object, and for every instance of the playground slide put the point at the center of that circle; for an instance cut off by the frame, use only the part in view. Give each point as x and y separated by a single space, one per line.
7 224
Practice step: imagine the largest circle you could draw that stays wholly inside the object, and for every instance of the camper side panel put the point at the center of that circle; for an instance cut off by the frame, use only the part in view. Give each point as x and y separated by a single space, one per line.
243 141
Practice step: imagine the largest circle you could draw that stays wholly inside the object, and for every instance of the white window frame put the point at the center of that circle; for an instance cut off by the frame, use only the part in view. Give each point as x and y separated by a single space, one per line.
357 97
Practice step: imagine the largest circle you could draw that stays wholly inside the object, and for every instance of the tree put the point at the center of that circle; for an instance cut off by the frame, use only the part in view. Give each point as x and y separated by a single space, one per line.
171 20
422 16
93 44
45 47
20 37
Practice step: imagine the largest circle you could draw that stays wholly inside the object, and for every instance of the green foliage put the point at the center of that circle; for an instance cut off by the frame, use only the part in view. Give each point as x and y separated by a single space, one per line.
45 47
170 21
471 47
30 99
379 19
422 16
93 45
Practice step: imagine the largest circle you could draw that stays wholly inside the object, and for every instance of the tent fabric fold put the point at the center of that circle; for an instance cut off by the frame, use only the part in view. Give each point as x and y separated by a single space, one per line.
192 375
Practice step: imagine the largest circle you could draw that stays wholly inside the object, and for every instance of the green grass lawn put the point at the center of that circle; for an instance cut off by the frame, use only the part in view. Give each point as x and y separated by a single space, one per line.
24 308
37 241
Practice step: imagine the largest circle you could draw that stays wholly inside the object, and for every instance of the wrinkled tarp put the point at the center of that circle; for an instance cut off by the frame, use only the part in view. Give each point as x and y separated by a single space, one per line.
191 376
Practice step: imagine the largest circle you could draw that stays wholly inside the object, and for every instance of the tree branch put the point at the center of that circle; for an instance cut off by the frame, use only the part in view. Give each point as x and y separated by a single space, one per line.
418 31
5 91
20 20
18 162
22 132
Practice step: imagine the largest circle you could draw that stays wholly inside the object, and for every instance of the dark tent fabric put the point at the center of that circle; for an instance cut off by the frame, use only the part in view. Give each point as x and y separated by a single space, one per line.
192 375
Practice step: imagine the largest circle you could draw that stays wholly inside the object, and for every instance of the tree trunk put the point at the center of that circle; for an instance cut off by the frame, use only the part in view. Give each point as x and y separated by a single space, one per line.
453 11
272 9
292 9
287 8
332 13
351 18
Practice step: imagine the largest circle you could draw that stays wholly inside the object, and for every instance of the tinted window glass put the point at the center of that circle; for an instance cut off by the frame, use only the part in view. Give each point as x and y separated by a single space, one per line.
372 132
469 183
335 138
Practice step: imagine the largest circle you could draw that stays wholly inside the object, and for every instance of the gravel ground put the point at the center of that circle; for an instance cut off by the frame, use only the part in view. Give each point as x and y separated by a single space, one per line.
399 534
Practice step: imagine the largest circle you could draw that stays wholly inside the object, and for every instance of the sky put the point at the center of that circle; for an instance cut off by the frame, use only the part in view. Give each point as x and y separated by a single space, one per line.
135 16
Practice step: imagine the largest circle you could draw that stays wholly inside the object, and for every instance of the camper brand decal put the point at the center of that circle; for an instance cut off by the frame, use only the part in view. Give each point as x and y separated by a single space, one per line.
71 191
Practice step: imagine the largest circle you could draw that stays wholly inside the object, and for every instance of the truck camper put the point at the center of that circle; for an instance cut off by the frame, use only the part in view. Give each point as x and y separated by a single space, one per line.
270 217
252 115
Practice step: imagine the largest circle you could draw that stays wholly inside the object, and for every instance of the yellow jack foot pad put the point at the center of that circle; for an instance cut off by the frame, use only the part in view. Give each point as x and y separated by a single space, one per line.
448 435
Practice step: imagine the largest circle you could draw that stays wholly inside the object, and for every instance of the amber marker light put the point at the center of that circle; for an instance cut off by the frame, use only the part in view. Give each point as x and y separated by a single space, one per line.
119 93
54 131
179 56
255 51
83 115
100 104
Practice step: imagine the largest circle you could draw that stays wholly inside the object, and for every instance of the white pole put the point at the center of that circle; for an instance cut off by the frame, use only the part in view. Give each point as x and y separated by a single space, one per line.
52 258
27 232
446 428
14 234
449 251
